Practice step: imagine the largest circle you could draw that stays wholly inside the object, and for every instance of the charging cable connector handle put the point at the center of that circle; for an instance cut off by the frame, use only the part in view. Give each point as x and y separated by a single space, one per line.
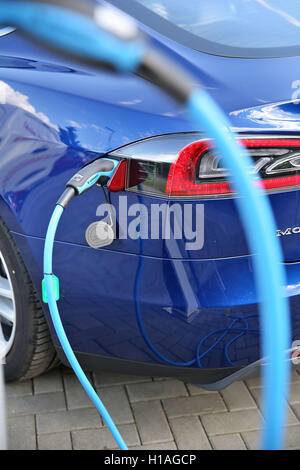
90 174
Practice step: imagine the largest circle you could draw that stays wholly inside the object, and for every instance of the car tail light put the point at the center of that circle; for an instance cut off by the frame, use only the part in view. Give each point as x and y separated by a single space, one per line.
187 165
118 179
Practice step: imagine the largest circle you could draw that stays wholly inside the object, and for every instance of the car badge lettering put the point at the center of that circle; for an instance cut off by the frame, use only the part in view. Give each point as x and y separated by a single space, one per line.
288 231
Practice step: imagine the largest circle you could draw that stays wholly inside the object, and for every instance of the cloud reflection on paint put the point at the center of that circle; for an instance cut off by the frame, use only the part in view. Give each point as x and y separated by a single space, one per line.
10 96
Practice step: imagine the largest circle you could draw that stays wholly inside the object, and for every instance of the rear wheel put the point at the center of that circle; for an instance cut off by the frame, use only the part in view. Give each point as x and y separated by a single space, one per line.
24 333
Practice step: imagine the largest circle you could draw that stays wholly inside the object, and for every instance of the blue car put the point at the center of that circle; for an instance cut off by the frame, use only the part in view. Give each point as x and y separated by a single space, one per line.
156 276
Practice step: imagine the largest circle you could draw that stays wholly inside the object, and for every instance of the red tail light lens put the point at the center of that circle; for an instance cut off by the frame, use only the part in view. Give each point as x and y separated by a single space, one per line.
183 165
198 169
118 180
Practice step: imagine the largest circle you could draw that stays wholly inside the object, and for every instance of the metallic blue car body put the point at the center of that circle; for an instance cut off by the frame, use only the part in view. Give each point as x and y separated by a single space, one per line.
56 116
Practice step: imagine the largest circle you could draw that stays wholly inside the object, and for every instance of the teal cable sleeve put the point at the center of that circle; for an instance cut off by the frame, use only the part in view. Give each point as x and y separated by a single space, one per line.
48 252
258 220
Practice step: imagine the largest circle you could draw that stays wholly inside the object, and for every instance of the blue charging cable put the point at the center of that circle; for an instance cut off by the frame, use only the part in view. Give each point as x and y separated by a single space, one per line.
79 183
258 220
51 295
87 36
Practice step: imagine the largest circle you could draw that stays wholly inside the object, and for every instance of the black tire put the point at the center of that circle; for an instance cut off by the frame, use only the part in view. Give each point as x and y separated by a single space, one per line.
32 351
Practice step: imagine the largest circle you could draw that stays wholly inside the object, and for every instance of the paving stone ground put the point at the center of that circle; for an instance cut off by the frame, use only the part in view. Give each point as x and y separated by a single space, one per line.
53 412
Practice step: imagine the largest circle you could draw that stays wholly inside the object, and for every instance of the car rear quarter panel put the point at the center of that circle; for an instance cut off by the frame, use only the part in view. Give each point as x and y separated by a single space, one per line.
54 120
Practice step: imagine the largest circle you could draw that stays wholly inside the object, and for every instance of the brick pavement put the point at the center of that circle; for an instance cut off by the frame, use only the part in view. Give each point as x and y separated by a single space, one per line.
53 412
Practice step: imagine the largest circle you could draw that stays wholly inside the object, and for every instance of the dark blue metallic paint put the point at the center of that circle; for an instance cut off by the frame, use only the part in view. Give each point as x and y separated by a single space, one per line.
56 116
